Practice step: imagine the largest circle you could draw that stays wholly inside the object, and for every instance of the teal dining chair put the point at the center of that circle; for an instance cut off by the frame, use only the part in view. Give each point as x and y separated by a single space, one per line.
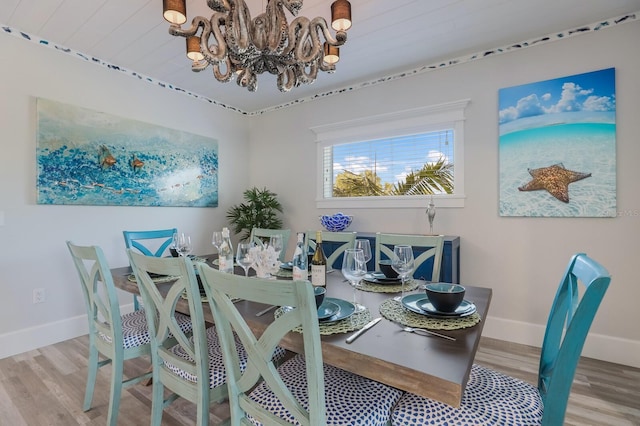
112 336
339 242
302 390
431 247
192 368
491 397
150 243
262 235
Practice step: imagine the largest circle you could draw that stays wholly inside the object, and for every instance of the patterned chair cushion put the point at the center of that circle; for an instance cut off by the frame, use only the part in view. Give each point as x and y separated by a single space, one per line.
350 399
490 398
135 332
217 373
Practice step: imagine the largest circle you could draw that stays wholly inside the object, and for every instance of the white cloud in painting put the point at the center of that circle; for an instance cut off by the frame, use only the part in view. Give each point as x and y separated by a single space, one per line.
599 103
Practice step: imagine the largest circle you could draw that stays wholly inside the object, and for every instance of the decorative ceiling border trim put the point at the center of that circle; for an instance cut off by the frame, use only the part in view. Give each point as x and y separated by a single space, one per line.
596 26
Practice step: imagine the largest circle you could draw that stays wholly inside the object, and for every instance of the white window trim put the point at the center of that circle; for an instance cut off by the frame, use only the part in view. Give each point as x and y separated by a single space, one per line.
399 123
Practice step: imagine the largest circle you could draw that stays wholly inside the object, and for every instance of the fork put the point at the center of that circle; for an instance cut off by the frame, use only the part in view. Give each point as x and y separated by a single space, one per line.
427 332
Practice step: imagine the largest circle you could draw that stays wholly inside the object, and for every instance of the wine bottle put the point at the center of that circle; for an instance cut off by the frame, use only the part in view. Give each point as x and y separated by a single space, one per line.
319 264
299 262
225 254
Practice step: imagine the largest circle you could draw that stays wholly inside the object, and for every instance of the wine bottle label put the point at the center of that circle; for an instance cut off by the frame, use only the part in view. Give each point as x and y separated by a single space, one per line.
318 275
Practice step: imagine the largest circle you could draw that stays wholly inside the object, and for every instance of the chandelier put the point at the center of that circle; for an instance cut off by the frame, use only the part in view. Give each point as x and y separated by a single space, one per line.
237 46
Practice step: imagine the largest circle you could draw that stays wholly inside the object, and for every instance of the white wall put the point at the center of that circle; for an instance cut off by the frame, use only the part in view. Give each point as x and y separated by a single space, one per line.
522 259
33 253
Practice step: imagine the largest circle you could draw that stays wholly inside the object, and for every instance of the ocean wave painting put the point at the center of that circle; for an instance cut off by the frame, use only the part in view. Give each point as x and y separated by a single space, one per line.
87 157
557 147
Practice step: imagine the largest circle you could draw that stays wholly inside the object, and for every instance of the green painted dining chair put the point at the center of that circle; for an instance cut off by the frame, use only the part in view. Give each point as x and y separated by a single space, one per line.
491 397
192 368
150 243
429 246
113 337
302 390
262 235
340 241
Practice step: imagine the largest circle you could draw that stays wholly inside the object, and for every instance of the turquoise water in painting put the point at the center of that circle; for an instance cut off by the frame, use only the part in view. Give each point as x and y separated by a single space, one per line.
581 147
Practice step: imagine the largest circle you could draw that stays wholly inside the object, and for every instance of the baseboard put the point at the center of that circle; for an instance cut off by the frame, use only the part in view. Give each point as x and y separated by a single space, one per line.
598 346
31 338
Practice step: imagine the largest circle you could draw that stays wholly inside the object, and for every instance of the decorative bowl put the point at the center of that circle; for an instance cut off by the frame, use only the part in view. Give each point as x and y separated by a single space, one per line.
386 269
445 297
335 223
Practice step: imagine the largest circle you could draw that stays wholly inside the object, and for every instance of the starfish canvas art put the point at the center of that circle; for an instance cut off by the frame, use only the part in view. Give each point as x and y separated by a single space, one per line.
557 147
555 179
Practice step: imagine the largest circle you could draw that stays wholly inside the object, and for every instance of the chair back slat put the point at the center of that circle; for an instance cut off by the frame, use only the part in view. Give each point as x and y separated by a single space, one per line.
262 235
433 245
569 322
221 291
160 308
348 240
155 243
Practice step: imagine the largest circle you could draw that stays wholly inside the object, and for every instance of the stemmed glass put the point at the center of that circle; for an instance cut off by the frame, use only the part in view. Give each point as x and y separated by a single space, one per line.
275 241
216 239
365 246
402 262
243 257
354 269
184 246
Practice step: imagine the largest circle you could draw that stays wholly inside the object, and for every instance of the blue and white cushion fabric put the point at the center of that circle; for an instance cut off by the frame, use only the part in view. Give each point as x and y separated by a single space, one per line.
350 399
490 398
135 331
217 373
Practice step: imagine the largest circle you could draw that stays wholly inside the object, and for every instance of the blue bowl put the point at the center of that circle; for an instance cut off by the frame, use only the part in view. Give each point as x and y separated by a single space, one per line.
336 223
319 292
445 297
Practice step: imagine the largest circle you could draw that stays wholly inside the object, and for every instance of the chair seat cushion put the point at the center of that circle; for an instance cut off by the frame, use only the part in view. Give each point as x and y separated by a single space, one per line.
490 398
217 373
350 399
135 332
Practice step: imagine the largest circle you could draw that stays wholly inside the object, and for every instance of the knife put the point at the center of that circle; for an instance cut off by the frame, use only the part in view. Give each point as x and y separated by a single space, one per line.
360 332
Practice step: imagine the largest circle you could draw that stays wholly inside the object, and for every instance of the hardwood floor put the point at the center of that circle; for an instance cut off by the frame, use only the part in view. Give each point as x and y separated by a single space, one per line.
46 387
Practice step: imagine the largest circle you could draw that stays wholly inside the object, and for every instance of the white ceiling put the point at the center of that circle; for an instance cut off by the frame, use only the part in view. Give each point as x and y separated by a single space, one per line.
387 37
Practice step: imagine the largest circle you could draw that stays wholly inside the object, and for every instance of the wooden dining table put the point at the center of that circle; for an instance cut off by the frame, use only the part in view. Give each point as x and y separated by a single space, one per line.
429 366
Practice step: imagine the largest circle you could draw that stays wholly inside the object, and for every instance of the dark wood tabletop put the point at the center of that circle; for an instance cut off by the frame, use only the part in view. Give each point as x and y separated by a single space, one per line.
429 366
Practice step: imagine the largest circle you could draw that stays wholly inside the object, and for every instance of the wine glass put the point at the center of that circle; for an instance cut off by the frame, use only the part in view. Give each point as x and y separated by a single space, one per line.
276 242
243 257
184 245
216 240
175 242
402 262
365 246
354 268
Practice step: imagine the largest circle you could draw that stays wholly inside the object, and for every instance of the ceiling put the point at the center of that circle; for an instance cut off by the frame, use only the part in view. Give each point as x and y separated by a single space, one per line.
387 37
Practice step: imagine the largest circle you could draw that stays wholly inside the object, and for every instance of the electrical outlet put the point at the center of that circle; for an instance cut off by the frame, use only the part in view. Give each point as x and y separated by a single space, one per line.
38 295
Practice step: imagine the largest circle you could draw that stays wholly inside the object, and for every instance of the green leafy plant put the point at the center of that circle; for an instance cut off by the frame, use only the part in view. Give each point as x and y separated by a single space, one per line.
260 210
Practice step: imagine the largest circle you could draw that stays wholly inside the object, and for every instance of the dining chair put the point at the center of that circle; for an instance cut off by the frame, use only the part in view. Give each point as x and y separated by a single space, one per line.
491 397
430 247
156 243
302 390
113 336
192 368
344 240
260 235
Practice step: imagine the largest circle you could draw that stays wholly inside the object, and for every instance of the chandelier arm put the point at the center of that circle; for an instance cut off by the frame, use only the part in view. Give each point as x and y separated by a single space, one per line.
302 76
238 26
223 77
247 78
277 24
287 80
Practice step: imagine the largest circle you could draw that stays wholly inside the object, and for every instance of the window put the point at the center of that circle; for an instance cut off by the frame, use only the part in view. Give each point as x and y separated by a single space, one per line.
377 161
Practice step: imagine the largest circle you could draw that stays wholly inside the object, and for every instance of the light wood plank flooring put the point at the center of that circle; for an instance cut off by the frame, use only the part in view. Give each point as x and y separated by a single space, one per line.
46 387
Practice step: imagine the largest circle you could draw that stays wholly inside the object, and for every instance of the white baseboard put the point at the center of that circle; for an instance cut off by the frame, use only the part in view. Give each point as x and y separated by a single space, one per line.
28 339
598 346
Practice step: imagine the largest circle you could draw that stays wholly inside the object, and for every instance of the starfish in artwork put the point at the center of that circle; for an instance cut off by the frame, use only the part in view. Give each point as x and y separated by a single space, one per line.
555 179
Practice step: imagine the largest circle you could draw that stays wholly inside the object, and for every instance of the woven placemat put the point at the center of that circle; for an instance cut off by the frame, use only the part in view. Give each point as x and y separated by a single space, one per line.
394 311
352 323
163 279
388 288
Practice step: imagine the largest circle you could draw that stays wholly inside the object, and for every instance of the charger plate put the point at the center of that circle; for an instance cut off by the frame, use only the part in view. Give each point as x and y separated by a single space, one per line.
394 311
372 287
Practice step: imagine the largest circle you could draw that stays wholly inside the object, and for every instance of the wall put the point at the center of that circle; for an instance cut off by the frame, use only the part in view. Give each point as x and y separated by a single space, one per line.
33 252
522 259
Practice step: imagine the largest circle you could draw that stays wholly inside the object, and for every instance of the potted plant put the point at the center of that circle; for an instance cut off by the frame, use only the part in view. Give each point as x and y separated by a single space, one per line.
258 211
